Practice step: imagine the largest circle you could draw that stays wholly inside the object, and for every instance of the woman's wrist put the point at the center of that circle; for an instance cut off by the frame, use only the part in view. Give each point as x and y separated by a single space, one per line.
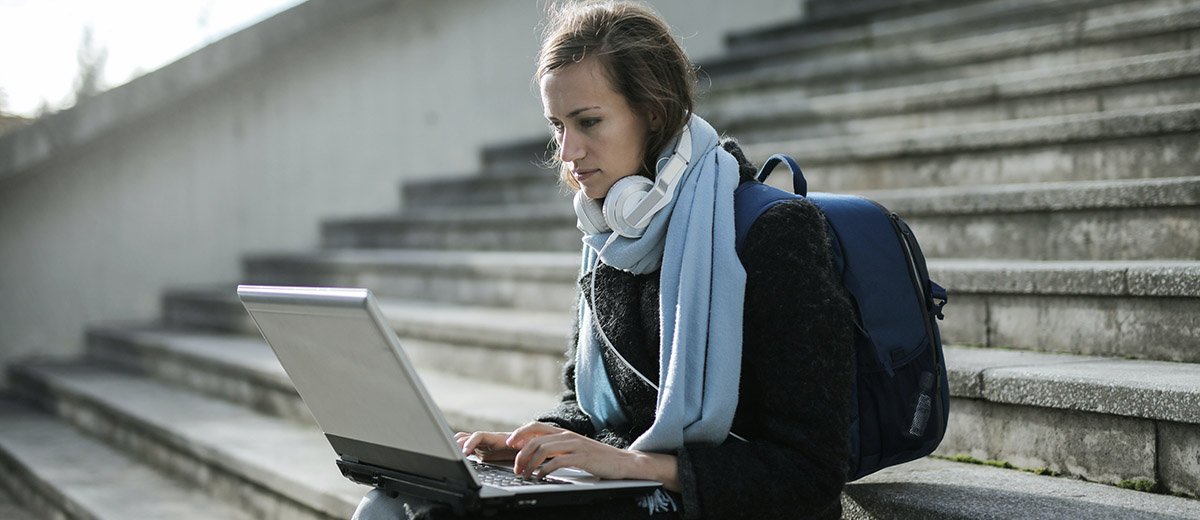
660 467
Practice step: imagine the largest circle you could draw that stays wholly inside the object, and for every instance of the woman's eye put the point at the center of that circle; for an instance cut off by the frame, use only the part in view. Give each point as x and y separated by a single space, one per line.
588 123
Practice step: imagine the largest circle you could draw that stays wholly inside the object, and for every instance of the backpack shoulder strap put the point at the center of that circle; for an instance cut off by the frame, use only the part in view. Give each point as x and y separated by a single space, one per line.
750 201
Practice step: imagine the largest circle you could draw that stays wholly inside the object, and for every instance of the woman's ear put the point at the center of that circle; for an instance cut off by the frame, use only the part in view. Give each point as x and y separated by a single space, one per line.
654 122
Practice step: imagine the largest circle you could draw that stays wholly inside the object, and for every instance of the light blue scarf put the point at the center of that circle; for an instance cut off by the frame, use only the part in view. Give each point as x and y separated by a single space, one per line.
702 290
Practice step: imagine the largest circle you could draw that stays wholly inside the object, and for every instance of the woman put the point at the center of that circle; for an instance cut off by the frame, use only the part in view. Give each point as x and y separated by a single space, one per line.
749 417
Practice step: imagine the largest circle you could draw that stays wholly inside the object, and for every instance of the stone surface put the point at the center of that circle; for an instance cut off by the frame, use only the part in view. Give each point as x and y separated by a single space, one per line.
253 461
1179 457
935 489
539 281
244 370
11 510
86 479
1147 389
1148 328
1100 448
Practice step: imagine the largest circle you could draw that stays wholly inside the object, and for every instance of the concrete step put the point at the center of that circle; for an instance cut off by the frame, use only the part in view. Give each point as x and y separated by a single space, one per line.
1092 220
878 22
774 113
1125 144
533 281
1119 30
271 467
266 466
515 158
547 226
11 510
507 346
1153 219
1115 144
1141 309
1102 419
940 490
519 186
60 473
1135 309
242 369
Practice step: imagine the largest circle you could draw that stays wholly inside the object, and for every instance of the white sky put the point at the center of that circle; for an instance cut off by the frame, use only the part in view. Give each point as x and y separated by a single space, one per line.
39 40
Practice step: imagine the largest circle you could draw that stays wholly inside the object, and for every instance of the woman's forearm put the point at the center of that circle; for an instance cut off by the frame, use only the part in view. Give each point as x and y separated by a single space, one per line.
660 467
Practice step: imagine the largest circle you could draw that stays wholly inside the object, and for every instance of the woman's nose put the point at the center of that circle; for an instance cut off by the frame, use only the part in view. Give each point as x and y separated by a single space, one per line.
570 150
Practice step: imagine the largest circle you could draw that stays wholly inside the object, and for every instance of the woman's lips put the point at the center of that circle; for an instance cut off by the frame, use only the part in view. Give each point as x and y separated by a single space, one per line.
583 175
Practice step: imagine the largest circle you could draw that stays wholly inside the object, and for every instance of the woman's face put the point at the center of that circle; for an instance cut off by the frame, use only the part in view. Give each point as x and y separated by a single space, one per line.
600 138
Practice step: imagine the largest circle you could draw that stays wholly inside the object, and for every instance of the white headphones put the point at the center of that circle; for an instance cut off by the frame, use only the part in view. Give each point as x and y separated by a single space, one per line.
634 200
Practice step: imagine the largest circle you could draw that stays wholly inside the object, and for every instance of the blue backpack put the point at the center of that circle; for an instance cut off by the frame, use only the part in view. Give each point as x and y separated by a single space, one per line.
902 397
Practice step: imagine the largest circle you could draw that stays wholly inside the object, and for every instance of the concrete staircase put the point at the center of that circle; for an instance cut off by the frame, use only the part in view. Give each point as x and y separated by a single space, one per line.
1046 153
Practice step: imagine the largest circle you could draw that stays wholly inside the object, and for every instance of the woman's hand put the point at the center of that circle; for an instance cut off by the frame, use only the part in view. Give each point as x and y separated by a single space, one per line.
494 446
552 450
489 446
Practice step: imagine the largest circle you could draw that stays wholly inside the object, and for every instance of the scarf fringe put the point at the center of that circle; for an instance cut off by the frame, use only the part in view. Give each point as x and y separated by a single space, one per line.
658 502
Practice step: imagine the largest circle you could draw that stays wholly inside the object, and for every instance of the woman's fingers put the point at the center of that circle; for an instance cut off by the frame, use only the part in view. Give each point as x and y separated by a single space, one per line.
483 443
540 449
535 429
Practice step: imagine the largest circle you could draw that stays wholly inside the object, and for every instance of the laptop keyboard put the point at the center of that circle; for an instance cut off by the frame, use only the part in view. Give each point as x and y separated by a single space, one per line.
504 477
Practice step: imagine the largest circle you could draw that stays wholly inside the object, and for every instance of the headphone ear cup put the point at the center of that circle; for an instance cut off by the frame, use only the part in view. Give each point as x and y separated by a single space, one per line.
620 201
590 215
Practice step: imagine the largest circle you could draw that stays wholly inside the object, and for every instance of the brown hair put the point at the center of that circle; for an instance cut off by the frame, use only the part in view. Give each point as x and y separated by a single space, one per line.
638 54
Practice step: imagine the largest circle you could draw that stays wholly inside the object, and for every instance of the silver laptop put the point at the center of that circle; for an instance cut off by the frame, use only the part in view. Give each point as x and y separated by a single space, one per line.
349 368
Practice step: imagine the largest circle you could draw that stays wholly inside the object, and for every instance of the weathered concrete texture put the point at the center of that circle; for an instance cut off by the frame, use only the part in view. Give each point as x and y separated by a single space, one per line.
985 52
209 308
1162 329
1117 84
241 369
519 369
1146 389
1106 234
259 464
1100 448
1179 457
966 367
538 281
1024 133
933 489
11 510
245 371
549 227
1132 158
504 329
1128 194
64 474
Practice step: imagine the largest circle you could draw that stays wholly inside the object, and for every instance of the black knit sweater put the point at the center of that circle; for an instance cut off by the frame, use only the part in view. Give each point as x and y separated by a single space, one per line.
797 374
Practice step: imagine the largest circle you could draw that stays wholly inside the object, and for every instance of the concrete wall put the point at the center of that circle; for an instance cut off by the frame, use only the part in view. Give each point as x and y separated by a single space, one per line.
246 145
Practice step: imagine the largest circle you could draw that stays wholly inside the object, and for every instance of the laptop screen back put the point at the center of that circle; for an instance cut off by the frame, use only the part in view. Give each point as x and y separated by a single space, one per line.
348 367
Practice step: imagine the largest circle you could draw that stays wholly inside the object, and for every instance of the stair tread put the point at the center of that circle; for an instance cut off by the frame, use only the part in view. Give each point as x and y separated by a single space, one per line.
1137 388
252 356
1160 390
290 458
1172 278
11 510
964 49
1042 196
1050 130
1179 278
931 488
969 91
94 477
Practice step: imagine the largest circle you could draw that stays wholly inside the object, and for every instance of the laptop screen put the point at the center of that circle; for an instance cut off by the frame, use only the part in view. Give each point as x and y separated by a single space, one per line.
346 365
